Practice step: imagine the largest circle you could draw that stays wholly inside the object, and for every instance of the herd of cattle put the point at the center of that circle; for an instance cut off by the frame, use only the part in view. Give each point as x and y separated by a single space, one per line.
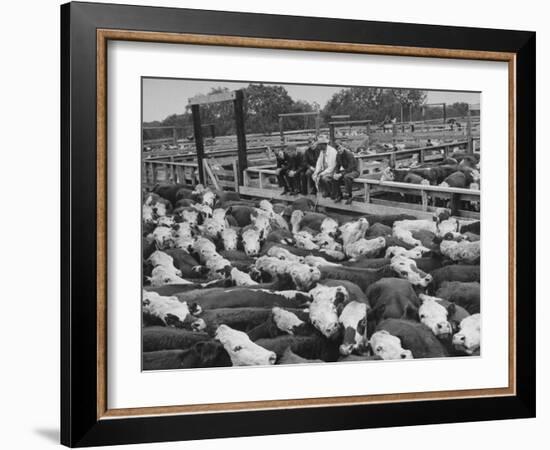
228 281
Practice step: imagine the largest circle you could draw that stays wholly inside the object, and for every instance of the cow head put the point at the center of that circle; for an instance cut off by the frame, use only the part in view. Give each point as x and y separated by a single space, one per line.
166 221
211 228
182 229
468 338
241 350
171 311
434 315
208 198
329 226
190 215
286 321
163 237
387 174
158 258
406 268
284 254
304 276
387 346
323 310
305 240
251 241
162 275
353 231
229 239
295 219
185 243
266 206
354 322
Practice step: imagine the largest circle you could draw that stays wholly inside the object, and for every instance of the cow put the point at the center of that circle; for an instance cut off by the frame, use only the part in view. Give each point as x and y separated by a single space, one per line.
413 253
304 240
229 238
163 237
415 337
324 309
353 319
280 236
403 230
378 230
241 350
167 338
169 191
289 357
464 294
463 251
313 346
329 255
391 298
159 258
468 338
284 254
361 277
473 227
183 261
304 276
251 237
243 297
313 221
170 311
238 318
241 278
162 275
406 268
435 316
367 263
369 248
355 293
388 219
241 214
386 346
453 272
353 231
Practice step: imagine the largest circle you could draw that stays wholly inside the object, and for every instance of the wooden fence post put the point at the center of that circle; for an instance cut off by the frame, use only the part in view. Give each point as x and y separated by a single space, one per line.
332 134
199 144
469 147
240 132
281 130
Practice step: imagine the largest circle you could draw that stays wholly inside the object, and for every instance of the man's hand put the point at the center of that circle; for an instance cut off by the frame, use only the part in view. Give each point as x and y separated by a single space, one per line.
278 171
291 173
337 176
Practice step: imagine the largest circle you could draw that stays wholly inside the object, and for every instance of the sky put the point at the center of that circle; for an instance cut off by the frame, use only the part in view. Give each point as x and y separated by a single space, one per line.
163 97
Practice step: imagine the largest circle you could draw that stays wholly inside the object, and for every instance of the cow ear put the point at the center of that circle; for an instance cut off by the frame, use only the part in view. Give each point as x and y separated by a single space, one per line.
451 310
411 312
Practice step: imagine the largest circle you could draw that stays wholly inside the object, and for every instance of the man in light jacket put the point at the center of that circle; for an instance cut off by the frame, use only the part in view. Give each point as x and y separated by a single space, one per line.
326 164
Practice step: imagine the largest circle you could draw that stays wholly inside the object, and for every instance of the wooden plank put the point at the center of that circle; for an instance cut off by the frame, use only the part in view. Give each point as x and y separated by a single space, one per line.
203 99
211 175
355 207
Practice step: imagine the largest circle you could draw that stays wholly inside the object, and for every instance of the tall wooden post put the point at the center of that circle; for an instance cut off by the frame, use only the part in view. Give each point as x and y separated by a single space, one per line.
332 135
241 135
444 112
281 131
469 131
175 136
317 124
199 144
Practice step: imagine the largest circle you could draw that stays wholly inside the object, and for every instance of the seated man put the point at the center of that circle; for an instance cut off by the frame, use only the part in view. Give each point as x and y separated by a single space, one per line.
295 159
324 168
287 163
309 161
346 171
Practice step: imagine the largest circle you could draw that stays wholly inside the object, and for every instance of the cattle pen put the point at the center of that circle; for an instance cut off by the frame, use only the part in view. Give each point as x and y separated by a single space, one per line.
245 163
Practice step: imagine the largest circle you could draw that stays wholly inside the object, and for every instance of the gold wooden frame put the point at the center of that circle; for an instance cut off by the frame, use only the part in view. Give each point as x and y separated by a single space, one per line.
103 36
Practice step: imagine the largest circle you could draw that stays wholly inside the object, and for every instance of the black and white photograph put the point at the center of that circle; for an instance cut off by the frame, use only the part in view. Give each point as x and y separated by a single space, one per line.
295 223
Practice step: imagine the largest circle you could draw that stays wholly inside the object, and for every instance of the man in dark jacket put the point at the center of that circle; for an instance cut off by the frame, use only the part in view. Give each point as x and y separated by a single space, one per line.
309 160
347 168
288 164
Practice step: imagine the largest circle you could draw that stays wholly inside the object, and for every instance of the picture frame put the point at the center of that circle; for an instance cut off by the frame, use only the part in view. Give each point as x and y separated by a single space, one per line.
86 28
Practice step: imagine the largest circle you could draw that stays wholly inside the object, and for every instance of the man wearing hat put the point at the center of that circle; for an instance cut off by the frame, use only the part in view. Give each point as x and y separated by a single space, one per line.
288 163
309 161
346 170
324 168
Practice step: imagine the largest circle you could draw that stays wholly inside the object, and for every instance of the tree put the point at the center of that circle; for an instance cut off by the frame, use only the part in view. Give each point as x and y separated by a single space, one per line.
263 104
376 104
